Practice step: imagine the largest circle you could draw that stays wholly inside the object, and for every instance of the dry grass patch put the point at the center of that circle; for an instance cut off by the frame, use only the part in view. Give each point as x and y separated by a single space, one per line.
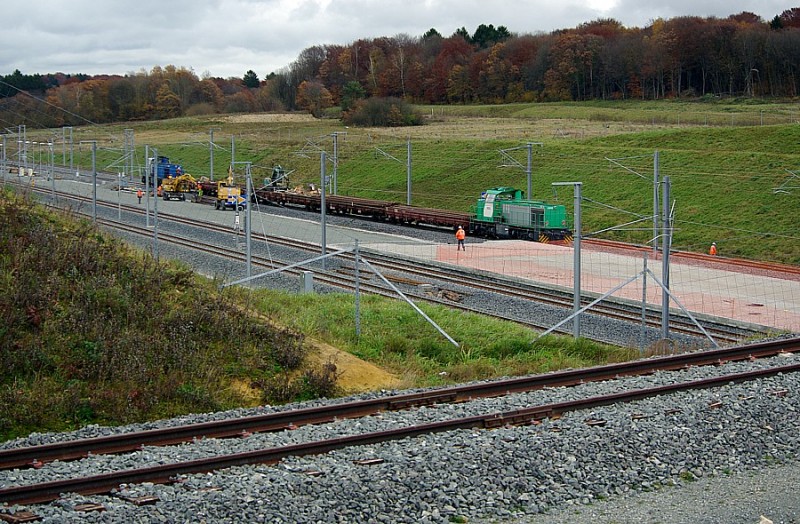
256 118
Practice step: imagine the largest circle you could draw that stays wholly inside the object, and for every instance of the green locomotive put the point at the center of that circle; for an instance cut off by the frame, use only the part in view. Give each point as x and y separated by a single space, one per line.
502 212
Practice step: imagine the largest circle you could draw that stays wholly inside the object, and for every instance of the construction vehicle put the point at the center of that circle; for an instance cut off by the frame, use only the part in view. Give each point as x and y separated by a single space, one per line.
176 188
161 169
279 181
229 195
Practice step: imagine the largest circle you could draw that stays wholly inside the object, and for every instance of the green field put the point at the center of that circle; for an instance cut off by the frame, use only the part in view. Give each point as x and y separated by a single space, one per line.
732 165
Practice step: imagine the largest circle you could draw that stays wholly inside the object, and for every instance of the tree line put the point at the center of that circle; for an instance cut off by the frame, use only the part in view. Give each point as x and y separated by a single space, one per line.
688 56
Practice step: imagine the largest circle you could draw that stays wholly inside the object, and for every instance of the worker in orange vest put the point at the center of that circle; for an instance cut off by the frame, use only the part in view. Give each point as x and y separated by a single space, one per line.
713 249
139 195
460 236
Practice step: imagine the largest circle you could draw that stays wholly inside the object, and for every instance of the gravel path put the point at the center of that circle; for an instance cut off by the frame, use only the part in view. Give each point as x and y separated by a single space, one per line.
738 498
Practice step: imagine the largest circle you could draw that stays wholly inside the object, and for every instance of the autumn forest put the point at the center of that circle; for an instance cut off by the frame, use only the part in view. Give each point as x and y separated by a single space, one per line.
684 57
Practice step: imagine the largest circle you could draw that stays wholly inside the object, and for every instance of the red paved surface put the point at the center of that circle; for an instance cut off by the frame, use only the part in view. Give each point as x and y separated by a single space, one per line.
767 300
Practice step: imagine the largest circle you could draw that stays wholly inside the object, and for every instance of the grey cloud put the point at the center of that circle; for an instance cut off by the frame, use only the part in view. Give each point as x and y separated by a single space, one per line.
228 37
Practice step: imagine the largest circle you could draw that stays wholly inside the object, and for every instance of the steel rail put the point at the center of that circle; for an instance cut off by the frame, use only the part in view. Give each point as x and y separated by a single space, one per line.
28 456
544 295
688 255
347 282
741 263
49 491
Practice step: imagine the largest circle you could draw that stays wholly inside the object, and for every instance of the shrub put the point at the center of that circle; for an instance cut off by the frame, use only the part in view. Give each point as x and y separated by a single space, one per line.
288 350
382 112
321 383
279 389
92 331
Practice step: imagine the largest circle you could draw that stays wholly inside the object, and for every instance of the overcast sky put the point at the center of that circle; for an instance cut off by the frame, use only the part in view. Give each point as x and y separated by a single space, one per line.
225 38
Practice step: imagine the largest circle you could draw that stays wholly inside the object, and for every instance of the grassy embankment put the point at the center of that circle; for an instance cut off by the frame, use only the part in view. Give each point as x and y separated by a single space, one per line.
723 164
92 331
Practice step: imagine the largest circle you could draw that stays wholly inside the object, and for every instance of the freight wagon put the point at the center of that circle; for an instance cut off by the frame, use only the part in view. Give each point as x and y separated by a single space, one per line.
500 212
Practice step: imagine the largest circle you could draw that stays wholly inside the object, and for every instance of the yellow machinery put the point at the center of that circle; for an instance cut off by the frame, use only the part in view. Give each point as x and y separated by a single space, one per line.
175 188
229 195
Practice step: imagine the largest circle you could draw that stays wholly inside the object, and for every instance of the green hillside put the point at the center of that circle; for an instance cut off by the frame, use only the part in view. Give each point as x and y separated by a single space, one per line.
733 180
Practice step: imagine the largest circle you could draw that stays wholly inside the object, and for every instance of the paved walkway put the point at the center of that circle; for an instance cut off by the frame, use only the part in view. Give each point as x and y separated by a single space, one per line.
763 300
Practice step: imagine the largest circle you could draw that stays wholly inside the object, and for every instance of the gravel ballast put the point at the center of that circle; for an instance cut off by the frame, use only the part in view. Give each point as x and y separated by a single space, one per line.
559 467
730 464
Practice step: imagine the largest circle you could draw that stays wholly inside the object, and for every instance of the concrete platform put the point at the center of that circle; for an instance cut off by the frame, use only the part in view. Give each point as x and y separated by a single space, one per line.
766 300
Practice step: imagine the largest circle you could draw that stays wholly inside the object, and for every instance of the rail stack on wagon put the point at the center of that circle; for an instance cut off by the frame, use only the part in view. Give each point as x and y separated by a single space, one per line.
500 212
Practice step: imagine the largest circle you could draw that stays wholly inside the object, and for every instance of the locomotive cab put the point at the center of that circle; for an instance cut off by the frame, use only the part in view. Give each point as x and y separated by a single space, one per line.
502 212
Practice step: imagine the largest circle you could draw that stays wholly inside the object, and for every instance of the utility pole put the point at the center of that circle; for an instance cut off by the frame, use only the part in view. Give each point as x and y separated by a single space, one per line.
119 196
408 172
64 147
247 217
94 177
322 205
147 185
52 170
155 204
655 202
576 264
94 180
528 168
335 136
335 162
34 145
22 149
667 245
655 191
211 154
233 150
357 290
130 153
249 191
408 167
529 172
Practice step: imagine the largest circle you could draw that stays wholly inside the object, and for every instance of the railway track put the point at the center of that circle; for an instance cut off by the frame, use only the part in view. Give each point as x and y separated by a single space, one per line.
616 310
98 483
346 281
411 274
38 455
743 264
166 473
